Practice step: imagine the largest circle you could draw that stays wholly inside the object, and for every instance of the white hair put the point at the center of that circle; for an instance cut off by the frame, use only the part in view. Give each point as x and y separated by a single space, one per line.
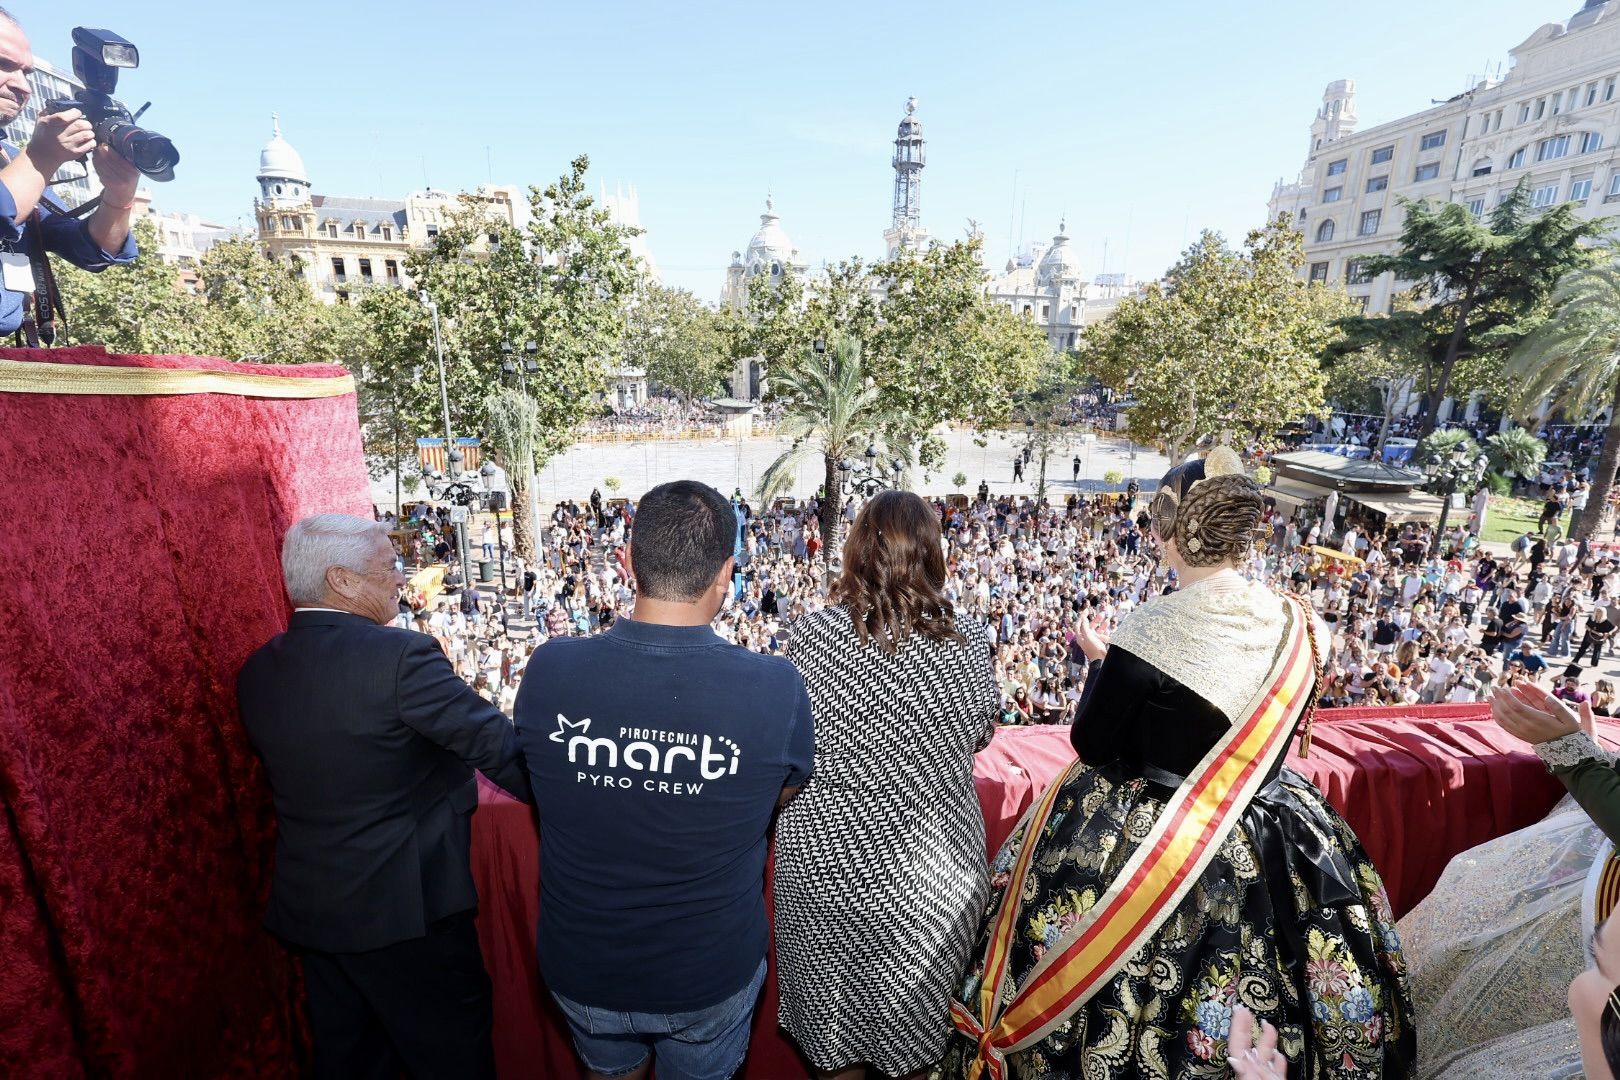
316 544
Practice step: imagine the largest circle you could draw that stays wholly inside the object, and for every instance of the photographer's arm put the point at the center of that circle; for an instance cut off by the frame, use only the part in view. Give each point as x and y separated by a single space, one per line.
58 138
109 225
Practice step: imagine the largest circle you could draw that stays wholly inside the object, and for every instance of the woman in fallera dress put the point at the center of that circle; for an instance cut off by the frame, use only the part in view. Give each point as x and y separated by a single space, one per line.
1177 869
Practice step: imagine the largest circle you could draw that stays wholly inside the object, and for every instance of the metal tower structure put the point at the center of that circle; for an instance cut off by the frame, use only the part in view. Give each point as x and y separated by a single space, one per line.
906 228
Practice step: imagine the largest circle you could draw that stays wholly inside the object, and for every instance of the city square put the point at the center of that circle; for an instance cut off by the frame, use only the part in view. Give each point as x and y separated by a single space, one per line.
668 541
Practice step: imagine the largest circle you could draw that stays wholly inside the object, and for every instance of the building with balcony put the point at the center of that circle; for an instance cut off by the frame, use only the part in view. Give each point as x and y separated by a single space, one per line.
1553 120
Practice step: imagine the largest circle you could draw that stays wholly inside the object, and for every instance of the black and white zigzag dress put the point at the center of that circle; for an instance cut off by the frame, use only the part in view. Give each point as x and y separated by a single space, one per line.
880 860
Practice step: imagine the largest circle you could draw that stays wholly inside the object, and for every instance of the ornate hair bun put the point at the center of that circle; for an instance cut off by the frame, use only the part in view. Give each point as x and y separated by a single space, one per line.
1222 461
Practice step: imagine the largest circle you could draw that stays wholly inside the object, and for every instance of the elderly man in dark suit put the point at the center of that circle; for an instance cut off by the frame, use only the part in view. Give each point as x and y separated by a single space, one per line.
369 740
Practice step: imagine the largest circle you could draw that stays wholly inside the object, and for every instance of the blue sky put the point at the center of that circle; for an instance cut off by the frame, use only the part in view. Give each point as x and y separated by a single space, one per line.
1141 122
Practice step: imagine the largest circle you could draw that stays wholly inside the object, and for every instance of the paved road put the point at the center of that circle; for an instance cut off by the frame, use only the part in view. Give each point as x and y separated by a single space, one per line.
732 463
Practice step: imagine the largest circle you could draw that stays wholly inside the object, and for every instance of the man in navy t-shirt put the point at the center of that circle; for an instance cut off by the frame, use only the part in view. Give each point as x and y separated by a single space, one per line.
658 755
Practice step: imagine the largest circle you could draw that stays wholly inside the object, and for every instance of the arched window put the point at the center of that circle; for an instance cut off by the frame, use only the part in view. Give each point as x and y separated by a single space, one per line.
278 189
1324 231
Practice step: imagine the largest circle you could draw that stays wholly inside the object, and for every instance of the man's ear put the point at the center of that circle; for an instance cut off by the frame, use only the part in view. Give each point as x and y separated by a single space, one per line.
723 580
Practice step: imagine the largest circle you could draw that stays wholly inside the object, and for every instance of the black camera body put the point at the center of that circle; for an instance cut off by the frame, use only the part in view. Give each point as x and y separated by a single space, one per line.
97 56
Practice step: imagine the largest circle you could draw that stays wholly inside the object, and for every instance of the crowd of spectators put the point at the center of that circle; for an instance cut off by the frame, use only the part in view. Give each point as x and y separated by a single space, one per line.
1406 628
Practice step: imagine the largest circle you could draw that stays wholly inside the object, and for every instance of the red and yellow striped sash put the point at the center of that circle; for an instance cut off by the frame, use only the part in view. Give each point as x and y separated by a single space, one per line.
1189 831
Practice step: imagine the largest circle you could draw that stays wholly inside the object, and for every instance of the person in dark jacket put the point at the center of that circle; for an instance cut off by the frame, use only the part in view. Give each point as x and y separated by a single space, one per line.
369 741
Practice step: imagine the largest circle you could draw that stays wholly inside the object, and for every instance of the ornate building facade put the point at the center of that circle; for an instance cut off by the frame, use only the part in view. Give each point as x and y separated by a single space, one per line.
1553 120
770 256
338 242
1044 285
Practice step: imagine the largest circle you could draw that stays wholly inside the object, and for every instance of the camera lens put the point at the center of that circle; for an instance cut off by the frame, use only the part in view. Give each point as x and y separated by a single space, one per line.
148 151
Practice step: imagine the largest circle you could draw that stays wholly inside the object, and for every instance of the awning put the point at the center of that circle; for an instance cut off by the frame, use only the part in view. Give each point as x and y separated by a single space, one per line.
1292 493
1401 508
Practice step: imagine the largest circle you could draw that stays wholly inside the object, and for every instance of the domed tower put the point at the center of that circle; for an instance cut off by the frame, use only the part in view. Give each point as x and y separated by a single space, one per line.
905 230
1337 116
283 181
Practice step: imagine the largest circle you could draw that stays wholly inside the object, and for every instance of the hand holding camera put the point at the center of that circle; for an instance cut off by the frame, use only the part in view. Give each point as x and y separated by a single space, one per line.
60 137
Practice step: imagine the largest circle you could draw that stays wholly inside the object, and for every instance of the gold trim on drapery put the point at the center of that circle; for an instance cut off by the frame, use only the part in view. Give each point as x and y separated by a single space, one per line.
33 377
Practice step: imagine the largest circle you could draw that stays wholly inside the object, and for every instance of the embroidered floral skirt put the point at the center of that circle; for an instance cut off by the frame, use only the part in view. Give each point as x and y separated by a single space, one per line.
1290 919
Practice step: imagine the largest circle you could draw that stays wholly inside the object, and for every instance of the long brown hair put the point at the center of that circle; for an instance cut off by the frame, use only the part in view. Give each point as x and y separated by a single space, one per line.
894 571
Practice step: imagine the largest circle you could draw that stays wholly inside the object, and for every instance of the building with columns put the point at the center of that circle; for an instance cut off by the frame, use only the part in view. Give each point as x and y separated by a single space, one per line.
1553 120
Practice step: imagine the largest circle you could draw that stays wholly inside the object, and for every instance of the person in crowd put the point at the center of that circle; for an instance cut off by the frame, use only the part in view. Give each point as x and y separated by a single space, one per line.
1191 690
369 742
1603 698
659 753
904 694
1600 628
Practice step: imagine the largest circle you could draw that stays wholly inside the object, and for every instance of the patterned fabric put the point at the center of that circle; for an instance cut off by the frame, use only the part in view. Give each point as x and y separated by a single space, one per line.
1493 949
880 867
1290 919
1568 751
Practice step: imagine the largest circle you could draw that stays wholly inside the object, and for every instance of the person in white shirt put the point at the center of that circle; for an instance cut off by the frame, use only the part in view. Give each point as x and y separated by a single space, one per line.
1440 671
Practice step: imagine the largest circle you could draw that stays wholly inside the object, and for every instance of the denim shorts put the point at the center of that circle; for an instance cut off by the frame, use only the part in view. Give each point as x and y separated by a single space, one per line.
707 1044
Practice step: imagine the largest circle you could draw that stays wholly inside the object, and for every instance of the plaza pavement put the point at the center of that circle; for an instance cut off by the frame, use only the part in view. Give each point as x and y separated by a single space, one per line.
731 463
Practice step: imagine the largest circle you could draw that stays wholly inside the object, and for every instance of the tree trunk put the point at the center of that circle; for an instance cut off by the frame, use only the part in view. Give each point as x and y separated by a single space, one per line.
524 542
831 507
1453 350
1597 499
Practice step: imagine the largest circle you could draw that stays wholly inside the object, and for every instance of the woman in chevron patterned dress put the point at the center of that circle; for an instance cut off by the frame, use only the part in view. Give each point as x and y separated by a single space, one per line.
1177 870
880 862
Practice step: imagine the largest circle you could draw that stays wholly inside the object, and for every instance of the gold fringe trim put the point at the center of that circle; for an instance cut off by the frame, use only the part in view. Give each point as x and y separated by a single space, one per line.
33 377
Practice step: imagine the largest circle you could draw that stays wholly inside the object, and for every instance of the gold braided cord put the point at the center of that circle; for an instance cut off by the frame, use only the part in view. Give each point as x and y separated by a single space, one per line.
33 377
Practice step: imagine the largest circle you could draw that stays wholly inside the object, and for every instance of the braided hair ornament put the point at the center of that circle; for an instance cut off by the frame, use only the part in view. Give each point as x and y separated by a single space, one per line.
1210 508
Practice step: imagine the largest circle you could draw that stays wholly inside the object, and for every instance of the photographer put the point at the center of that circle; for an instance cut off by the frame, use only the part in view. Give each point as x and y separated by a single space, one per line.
31 223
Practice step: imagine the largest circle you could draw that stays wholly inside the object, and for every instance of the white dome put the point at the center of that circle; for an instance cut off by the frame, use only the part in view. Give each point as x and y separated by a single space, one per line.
279 159
1060 262
770 244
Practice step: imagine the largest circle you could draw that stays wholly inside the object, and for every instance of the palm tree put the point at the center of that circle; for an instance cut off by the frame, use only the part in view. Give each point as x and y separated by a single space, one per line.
1516 451
1573 359
830 409
514 430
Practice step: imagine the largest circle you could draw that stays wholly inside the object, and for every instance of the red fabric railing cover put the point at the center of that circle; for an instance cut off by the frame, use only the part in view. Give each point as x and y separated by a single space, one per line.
141 563
1417 785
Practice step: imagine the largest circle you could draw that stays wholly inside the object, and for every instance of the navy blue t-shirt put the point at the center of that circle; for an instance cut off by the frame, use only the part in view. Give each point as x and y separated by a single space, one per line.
657 754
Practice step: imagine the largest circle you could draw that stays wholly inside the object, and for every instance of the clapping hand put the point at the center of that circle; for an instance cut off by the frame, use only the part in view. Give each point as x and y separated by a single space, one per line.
1532 714
1251 1061
1092 634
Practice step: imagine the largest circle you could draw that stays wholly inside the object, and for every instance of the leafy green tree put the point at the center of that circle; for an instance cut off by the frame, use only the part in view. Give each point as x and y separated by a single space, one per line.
1483 285
389 350
563 281
831 409
1043 411
677 341
140 308
941 351
1235 345
255 308
1573 358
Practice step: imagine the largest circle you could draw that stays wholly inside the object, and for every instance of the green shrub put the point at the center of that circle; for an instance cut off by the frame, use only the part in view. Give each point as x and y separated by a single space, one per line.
1113 476
959 480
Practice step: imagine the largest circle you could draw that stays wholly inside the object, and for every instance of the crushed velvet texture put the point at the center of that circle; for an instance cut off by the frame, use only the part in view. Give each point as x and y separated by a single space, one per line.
140 554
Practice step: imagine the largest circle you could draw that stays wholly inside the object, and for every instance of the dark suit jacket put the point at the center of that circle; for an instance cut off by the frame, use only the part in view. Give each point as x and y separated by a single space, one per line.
370 740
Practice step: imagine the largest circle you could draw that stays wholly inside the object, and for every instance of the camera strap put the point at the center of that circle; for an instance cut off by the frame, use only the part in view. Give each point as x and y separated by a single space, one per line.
43 306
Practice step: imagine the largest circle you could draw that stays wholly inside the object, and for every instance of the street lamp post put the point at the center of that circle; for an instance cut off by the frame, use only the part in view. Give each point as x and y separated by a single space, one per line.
452 458
1457 470
874 476
487 472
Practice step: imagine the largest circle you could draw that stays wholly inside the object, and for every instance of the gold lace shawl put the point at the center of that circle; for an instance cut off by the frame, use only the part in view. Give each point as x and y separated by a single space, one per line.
1218 637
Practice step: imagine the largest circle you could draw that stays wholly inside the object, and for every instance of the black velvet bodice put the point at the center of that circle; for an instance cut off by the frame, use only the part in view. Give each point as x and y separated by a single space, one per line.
1133 713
